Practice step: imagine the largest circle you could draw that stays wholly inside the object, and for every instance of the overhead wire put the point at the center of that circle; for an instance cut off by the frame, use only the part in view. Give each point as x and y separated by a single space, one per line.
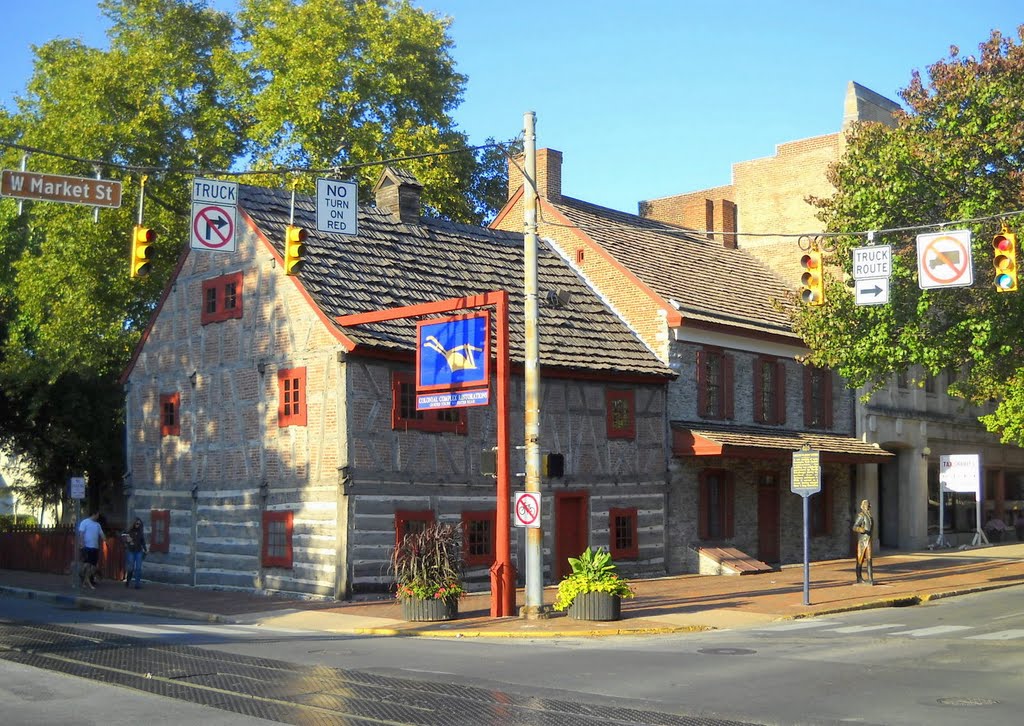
664 227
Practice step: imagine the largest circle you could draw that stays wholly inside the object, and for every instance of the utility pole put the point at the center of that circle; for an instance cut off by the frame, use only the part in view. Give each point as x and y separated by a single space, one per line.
534 608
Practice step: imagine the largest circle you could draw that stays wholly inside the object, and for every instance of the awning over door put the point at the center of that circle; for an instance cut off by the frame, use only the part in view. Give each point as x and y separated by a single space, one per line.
752 442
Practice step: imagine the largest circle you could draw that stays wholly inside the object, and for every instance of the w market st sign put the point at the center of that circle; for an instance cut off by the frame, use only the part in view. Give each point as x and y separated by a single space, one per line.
65 189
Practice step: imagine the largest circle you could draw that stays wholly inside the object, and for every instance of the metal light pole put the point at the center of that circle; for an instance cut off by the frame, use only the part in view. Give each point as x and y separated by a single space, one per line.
534 607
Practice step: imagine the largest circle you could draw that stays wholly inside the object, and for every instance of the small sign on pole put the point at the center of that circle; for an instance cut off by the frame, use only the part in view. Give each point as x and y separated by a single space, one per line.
527 509
805 481
76 487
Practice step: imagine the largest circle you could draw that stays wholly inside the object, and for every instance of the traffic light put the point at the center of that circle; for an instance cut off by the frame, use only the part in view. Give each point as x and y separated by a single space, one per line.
1004 250
553 465
812 283
142 238
294 239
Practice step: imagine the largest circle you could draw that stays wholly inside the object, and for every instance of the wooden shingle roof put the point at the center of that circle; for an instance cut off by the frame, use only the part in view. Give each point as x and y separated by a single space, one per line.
704 280
703 439
391 264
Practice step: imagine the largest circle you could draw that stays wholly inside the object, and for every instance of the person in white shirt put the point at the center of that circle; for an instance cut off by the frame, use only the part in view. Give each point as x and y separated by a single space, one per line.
90 536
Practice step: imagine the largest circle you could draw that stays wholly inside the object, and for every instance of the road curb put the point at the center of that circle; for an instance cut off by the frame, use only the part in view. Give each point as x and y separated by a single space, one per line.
83 602
399 632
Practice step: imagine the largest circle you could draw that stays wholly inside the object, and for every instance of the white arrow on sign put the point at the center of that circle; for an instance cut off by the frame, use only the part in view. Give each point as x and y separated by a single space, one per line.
872 291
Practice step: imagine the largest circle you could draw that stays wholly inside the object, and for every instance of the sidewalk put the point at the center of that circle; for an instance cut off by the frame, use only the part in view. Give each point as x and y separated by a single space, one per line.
663 605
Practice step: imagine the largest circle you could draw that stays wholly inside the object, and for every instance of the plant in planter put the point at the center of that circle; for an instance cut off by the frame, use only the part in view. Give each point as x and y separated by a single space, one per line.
427 568
593 590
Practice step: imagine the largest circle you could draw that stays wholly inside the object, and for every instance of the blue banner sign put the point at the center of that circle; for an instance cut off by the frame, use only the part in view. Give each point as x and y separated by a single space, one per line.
453 353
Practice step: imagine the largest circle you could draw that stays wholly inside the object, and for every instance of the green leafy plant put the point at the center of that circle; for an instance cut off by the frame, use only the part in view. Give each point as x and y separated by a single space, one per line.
427 565
592 571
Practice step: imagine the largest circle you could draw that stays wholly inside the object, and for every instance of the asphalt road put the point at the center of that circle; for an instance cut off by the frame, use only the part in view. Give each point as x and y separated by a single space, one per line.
955 661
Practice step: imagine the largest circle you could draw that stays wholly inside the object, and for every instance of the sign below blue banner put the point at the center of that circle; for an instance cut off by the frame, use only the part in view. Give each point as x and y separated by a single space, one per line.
453 399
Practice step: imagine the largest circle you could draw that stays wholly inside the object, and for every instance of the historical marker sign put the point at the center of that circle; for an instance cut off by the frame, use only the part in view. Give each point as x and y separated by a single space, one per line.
806 476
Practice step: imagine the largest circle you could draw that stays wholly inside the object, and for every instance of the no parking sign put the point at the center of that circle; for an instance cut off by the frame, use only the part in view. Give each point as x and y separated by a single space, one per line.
527 509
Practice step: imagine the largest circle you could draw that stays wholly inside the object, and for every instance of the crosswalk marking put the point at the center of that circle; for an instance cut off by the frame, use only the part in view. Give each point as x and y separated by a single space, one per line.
849 629
935 630
1001 635
798 625
188 629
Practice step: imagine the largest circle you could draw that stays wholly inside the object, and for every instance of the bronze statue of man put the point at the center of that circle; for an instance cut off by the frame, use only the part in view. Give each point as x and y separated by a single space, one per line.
864 526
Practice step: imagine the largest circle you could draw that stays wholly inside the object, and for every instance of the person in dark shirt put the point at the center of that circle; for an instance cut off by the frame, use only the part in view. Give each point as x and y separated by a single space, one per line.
135 550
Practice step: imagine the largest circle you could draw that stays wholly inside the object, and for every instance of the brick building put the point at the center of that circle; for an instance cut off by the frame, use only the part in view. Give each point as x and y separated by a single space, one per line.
272 449
912 416
742 402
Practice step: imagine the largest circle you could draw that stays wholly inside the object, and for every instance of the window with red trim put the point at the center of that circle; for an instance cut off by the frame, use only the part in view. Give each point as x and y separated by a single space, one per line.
410 522
820 510
622 533
769 391
620 414
277 539
170 414
291 397
222 298
715 396
405 416
817 398
715 505
478 537
159 530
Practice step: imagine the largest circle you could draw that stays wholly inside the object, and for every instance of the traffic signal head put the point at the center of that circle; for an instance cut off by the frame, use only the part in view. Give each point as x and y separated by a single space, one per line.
294 246
812 284
142 238
1004 259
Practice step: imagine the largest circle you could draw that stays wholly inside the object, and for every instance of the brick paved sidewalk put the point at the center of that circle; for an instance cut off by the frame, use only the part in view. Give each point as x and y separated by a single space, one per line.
662 605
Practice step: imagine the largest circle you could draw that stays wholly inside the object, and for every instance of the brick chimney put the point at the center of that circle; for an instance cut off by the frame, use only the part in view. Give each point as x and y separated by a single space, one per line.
549 174
398 193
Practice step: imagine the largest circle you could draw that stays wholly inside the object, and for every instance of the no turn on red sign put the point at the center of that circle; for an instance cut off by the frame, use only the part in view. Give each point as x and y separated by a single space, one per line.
944 259
527 509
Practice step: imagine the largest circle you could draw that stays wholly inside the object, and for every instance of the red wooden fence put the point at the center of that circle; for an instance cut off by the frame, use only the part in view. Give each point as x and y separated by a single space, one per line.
52 549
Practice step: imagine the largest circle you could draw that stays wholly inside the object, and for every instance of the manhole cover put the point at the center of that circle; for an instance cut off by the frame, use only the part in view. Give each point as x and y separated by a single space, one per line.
967 701
726 651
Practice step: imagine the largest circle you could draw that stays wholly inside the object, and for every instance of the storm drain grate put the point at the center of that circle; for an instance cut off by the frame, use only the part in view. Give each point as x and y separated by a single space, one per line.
297 694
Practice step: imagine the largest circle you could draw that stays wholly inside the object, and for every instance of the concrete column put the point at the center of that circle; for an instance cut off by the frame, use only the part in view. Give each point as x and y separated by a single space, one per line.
913 518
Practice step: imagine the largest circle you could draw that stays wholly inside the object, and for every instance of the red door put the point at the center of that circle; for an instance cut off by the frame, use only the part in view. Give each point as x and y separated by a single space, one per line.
768 518
572 535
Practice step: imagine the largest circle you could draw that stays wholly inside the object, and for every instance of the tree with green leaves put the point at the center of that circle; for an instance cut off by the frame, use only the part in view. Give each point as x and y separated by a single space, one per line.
184 90
956 155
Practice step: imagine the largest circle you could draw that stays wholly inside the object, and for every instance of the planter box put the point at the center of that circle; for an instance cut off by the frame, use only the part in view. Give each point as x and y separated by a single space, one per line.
596 606
429 610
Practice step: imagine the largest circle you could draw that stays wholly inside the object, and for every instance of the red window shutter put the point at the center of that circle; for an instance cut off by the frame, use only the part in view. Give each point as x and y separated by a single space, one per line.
728 506
780 392
759 412
826 396
702 383
728 395
703 512
808 407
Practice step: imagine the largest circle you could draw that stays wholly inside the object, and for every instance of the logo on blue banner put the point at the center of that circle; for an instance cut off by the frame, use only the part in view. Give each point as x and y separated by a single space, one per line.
453 353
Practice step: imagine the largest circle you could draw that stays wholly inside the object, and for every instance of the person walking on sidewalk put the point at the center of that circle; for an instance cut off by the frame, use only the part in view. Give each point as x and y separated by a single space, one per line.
135 550
90 537
864 526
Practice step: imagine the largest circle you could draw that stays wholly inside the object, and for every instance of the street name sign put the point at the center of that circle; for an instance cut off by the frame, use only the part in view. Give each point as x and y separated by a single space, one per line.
213 215
337 206
64 189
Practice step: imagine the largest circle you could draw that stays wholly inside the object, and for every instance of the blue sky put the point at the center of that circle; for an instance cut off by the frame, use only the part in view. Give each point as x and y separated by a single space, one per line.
645 98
